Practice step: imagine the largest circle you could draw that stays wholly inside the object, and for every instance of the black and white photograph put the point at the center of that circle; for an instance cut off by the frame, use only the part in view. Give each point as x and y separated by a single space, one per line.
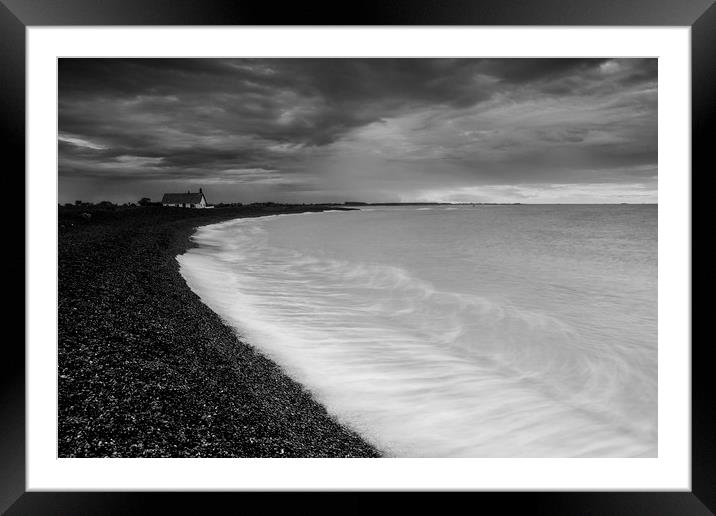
357 257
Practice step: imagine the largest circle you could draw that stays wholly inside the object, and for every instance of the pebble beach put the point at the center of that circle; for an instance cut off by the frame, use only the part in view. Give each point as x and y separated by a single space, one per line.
145 369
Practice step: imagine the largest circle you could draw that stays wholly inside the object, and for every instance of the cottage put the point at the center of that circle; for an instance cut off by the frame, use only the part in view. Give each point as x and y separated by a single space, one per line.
185 200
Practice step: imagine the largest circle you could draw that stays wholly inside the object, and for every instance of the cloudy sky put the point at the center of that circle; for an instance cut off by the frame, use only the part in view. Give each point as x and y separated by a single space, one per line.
315 130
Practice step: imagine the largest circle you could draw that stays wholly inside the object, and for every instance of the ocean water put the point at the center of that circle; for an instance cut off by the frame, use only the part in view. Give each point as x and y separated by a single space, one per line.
446 331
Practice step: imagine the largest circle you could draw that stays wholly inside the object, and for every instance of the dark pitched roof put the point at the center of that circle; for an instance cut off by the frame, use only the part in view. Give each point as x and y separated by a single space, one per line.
182 198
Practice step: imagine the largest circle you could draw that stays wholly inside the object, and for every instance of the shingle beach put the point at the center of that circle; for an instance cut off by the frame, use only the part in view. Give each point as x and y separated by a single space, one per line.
145 369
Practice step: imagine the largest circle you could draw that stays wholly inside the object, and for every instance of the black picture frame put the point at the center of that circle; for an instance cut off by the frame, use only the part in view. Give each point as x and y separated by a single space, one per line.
17 15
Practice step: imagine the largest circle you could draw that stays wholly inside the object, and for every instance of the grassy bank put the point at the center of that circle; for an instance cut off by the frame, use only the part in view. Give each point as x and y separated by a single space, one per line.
147 370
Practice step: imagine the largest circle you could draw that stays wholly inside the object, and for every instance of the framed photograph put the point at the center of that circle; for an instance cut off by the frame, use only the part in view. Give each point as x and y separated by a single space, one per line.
444 248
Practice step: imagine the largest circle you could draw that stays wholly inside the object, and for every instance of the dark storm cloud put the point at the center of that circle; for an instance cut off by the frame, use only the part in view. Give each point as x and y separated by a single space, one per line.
530 70
251 95
290 119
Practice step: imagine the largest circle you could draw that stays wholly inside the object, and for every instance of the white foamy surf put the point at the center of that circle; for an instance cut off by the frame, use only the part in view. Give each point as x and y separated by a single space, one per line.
488 331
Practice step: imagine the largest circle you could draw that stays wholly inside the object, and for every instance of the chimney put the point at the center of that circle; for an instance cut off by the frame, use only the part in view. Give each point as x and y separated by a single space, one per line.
200 190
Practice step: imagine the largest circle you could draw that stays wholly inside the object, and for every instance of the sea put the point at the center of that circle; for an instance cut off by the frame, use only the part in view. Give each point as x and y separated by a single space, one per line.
454 331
